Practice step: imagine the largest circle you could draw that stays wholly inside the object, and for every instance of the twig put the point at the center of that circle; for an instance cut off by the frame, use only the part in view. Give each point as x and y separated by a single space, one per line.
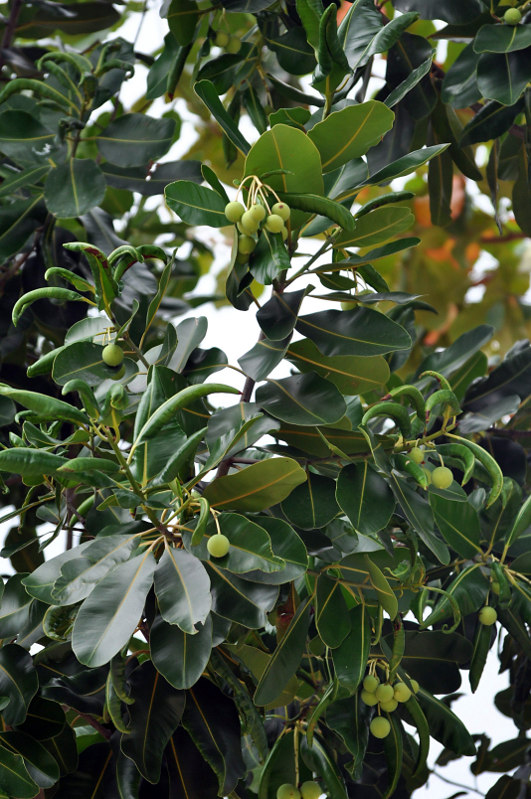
9 31
457 784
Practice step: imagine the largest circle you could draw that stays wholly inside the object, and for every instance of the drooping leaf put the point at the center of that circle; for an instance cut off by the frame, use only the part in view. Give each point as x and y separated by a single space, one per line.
350 657
73 188
182 587
18 682
331 613
358 332
180 657
365 497
302 399
459 525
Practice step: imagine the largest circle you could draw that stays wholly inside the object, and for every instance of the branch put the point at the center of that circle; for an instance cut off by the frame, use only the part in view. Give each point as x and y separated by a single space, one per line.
9 31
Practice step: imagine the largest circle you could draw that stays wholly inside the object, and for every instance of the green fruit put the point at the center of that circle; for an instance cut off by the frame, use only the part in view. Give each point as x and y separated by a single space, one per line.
380 727
284 233
218 545
415 686
234 211
112 355
390 706
402 692
288 791
246 244
442 477
258 211
282 210
384 692
487 615
310 790
512 16
495 587
274 223
119 373
416 454
369 698
371 683
234 45
222 39
248 222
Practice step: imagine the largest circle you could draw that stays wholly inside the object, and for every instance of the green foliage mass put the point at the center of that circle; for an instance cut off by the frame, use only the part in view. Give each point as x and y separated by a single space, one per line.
145 659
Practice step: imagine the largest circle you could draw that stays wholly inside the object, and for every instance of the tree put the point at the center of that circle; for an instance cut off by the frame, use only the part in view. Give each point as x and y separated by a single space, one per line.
239 560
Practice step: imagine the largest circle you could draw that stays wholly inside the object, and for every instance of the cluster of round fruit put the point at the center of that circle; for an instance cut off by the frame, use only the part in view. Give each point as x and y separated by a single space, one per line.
250 220
218 545
440 477
387 697
308 790
113 355
229 43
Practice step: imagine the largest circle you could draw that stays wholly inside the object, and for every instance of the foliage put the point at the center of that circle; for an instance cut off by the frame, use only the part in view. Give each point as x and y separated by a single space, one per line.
139 662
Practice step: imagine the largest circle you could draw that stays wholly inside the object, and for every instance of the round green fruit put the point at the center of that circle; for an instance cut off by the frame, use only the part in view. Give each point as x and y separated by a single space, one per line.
288 791
512 16
416 454
282 210
487 615
415 686
118 373
246 244
222 39
258 212
369 698
495 587
402 692
249 222
384 692
112 355
371 683
442 477
390 706
310 790
218 545
234 45
274 223
234 211
380 727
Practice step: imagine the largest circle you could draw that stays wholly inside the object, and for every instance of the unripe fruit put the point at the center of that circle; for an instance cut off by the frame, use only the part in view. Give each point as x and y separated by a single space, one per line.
380 727
402 692
258 211
310 790
495 587
222 39
288 791
416 454
415 686
218 545
234 211
246 244
487 615
234 45
442 477
390 706
369 698
384 692
512 16
282 210
249 222
118 373
284 233
274 223
112 355
371 683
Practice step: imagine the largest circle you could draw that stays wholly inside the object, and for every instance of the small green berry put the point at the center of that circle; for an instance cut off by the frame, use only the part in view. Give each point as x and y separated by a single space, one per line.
218 545
222 39
274 223
512 16
415 686
402 692
310 790
258 211
442 477
487 615
284 233
416 454
233 46
234 211
288 791
390 706
384 692
380 727
369 698
495 587
282 210
112 355
249 222
246 244
371 683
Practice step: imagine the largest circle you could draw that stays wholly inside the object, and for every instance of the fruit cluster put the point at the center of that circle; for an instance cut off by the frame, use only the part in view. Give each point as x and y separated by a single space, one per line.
308 790
231 44
386 696
259 214
440 477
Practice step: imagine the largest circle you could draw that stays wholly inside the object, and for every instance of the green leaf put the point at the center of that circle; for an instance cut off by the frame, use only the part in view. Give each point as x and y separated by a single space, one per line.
331 612
108 618
239 599
14 777
41 581
250 548
366 124
29 462
183 17
195 204
358 332
256 487
440 177
312 505
286 657
18 682
41 766
135 139
23 138
180 658
409 83
154 717
505 788
14 607
302 399
269 258
350 719
521 523
350 374
350 657
73 188
263 357
18 180
482 644
182 587
365 497
211 720
459 525
278 315
320 205
17 222
433 658
206 91
459 87
445 726
287 545
418 513
491 121
234 429
403 166
502 38
393 749
503 76
46 407
469 589
320 761
377 226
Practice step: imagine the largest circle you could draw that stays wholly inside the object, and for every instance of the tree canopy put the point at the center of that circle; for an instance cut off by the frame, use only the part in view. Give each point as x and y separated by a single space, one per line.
277 580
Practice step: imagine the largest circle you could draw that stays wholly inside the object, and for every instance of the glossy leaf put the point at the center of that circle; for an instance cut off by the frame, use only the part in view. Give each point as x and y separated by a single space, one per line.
350 719
379 225
350 374
445 726
183 17
403 166
287 545
319 760
256 487
433 657
14 777
42 767
73 188
418 513
135 139
182 587
206 91
195 204
186 766
302 399
501 38
459 525
18 682
469 589
44 406
503 76
350 657
365 497
312 504
250 546
359 332
238 599
331 613
180 658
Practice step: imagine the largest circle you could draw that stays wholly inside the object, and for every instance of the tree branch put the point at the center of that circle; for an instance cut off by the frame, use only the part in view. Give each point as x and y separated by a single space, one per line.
9 31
